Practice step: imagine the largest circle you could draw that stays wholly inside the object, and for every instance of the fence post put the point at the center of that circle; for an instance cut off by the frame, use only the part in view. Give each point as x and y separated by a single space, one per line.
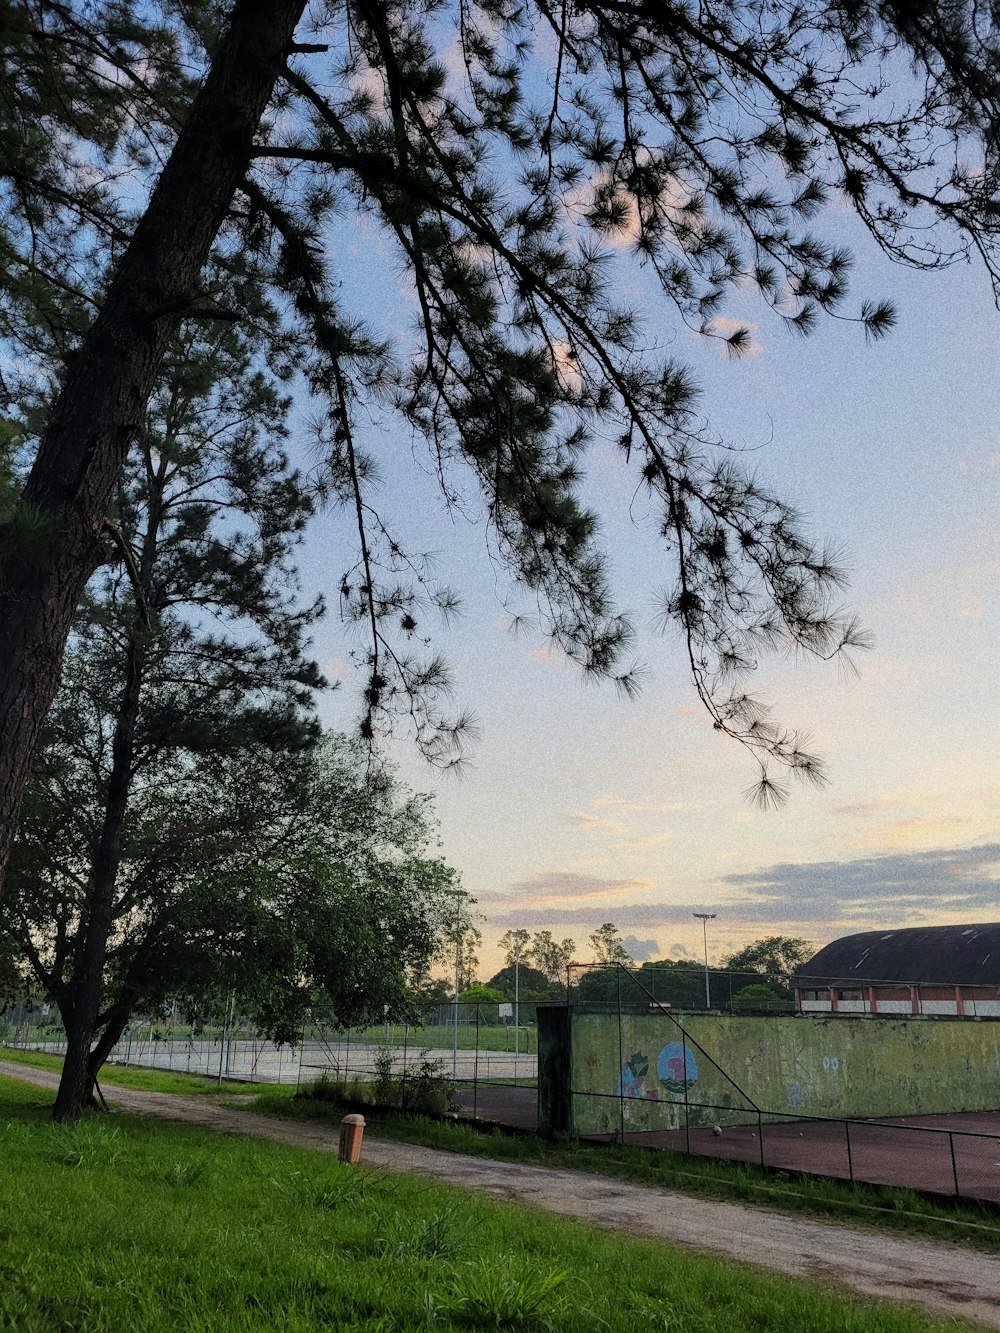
475 1067
760 1135
954 1167
850 1160
621 1060
302 1047
402 1081
684 1080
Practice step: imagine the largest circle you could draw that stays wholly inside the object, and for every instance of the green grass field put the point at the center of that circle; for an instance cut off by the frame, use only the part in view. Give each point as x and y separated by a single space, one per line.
900 1210
145 1080
124 1224
442 1037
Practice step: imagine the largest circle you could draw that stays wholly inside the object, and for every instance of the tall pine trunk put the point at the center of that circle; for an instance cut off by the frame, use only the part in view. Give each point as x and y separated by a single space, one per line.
99 410
87 984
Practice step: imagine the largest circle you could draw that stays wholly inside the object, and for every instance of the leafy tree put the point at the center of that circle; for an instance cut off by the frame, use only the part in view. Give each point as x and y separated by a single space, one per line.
187 667
532 984
776 956
480 994
188 650
427 991
679 983
551 956
514 944
607 945
759 995
282 876
687 148
459 941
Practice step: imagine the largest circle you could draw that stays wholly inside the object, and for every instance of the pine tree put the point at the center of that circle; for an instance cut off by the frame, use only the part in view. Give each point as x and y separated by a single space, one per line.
187 651
697 143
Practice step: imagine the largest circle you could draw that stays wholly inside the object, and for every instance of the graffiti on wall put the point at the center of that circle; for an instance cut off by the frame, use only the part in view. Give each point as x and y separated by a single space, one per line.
632 1080
676 1069
853 1066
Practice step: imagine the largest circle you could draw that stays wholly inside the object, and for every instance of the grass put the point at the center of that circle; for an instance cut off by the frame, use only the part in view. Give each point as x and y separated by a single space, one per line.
123 1224
143 1080
441 1036
904 1211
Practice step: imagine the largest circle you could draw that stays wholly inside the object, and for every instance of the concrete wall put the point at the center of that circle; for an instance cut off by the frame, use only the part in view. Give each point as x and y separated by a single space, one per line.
812 1066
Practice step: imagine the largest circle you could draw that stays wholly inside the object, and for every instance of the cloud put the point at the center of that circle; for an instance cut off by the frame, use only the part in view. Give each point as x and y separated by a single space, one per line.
640 950
622 820
546 885
595 823
722 326
567 365
654 840
896 887
902 833
817 898
641 807
864 808
644 914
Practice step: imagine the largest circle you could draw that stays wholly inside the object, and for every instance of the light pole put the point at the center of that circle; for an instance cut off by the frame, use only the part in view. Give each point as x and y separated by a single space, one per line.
458 982
705 918
516 997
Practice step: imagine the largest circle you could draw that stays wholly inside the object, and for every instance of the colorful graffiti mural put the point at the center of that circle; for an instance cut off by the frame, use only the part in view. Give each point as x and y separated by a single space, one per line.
820 1066
677 1067
632 1079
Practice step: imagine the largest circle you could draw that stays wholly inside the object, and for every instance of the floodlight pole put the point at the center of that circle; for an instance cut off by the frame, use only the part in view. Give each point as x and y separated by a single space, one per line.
517 964
705 918
458 978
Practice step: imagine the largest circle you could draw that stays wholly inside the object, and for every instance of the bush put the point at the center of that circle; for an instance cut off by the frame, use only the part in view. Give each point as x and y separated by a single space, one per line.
422 1092
759 996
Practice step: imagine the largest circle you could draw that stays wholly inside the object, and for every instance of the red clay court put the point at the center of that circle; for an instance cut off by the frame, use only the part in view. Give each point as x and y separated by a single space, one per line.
957 1154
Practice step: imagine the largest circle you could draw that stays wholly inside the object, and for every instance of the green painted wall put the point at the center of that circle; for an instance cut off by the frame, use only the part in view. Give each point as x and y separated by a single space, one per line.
815 1066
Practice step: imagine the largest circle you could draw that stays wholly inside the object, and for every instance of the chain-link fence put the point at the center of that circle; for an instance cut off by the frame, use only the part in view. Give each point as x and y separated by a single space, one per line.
476 1049
676 985
672 1094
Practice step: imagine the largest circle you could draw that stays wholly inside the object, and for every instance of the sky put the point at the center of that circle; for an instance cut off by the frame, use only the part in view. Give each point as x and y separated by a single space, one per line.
580 807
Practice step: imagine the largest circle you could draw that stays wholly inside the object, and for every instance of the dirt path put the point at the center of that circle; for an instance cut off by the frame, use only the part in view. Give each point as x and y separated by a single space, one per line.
946 1280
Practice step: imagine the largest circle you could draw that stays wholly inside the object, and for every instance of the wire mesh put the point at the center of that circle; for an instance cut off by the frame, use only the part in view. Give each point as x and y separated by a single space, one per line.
654 1104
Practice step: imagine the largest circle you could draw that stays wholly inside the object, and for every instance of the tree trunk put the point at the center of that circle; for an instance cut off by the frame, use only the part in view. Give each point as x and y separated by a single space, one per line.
98 413
114 1026
88 974
74 1090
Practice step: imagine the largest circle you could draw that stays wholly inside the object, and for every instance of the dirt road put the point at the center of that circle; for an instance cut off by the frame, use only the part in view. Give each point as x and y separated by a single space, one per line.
946 1280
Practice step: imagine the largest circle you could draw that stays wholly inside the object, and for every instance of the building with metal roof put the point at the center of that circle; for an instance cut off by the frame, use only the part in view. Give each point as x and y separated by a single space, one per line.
952 970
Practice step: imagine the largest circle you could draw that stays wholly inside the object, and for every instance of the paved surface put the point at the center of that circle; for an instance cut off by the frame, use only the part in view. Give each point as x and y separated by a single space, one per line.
500 1104
946 1280
264 1062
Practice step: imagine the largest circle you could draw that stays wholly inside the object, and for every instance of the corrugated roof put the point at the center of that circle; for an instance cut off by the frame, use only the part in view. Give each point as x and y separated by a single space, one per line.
933 955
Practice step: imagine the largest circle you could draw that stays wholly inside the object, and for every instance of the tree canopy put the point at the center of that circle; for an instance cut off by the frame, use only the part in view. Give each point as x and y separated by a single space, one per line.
179 834
521 162
776 956
291 879
607 944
